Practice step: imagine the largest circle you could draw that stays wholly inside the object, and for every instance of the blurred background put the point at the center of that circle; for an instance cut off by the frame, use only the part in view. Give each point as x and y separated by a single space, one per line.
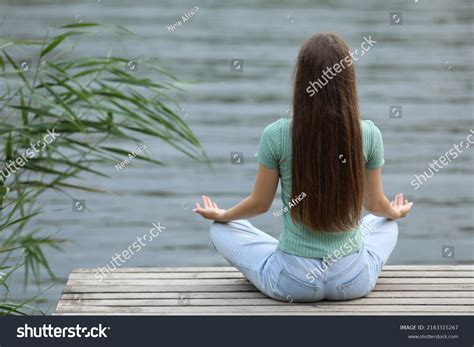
241 54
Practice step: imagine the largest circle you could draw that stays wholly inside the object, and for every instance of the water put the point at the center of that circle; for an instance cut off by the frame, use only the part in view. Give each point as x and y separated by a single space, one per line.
424 65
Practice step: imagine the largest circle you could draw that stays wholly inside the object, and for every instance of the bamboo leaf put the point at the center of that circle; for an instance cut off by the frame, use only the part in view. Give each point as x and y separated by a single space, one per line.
16 67
9 148
57 41
24 111
16 221
79 25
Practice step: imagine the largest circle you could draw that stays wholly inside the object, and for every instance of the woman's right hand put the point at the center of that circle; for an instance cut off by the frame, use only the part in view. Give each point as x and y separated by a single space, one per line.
400 206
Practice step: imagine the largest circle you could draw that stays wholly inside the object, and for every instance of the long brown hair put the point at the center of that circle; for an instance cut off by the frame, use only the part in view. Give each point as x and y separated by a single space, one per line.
327 159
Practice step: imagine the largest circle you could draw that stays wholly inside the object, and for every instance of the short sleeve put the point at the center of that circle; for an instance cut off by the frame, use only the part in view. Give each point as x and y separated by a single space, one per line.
268 153
375 156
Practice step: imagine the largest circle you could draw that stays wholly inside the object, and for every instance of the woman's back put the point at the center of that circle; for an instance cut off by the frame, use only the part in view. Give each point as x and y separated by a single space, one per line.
275 153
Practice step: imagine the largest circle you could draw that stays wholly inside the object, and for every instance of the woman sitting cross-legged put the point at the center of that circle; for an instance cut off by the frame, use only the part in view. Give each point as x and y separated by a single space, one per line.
328 162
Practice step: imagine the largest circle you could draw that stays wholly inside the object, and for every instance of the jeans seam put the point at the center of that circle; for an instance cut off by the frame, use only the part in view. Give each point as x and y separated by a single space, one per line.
350 267
351 283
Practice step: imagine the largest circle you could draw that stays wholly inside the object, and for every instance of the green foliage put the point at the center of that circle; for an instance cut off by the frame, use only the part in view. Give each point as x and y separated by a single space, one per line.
87 100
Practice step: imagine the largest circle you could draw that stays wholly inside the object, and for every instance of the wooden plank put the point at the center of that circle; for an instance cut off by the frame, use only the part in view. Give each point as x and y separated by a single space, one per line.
242 281
424 286
421 294
384 280
192 301
467 267
165 269
166 282
163 295
249 287
157 275
235 274
237 295
386 313
315 309
232 269
174 289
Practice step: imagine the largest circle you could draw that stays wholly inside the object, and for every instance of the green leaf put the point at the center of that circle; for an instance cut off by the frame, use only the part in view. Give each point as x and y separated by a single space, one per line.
17 68
9 148
24 111
79 25
57 41
27 217
3 193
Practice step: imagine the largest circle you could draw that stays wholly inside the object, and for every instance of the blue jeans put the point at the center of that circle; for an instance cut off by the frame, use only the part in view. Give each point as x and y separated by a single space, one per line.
292 278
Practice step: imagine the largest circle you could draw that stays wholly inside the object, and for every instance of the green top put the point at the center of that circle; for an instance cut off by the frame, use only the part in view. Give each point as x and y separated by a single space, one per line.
274 152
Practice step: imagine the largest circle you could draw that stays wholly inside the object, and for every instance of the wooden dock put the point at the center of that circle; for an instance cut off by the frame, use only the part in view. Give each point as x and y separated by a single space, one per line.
401 290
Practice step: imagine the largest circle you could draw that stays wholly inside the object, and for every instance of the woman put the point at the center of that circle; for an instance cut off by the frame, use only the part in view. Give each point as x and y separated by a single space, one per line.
329 164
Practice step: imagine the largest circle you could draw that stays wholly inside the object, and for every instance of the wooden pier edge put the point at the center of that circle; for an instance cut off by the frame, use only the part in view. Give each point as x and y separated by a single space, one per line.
400 290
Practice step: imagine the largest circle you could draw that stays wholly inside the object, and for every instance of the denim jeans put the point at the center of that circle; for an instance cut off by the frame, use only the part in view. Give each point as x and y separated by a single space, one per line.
292 278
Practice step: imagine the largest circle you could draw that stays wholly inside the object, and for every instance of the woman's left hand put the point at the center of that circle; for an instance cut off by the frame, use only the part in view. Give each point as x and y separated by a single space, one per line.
210 210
